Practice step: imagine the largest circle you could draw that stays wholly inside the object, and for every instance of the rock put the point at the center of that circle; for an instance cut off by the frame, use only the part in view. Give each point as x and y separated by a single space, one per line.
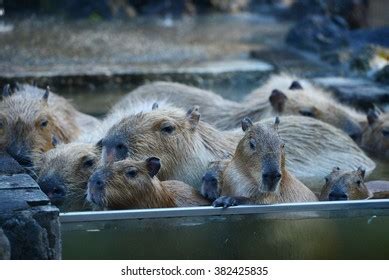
359 92
382 76
355 12
319 34
5 247
28 220
9 166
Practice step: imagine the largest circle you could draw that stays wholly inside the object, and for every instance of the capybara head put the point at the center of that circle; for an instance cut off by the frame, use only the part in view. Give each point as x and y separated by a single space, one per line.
342 185
168 133
260 155
311 102
125 184
27 124
375 137
63 173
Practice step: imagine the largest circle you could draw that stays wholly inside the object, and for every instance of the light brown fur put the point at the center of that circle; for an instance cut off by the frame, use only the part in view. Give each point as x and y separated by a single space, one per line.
128 185
71 164
351 184
242 176
227 114
33 123
187 152
375 137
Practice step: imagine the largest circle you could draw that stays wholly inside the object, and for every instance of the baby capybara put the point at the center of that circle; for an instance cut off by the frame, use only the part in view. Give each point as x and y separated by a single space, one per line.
132 184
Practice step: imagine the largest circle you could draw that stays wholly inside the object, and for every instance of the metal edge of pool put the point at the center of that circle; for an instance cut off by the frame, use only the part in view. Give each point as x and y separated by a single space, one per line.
89 216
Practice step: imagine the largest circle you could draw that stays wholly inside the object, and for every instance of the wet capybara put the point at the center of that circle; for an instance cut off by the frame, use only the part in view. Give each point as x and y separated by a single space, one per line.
257 174
351 185
375 137
63 173
292 96
186 145
341 185
132 184
34 120
281 95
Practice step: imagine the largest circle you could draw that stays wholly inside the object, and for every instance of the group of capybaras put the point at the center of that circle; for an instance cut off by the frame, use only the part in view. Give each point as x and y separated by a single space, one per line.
167 144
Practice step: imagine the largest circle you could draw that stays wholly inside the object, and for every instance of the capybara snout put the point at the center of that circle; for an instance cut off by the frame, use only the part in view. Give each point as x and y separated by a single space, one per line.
54 187
96 188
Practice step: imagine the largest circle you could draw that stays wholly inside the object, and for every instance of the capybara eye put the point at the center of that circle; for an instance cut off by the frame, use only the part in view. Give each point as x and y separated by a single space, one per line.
385 131
44 123
89 163
253 144
282 145
327 179
132 173
359 182
168 129
306 113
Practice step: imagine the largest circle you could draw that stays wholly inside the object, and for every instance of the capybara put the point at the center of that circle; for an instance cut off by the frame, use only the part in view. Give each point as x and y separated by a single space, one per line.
281 95
34 120
375 137
341 185
186 145
129 184
351 185
256 174
63 173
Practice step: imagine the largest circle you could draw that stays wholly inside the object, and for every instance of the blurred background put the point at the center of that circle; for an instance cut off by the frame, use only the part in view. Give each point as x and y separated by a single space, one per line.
96 51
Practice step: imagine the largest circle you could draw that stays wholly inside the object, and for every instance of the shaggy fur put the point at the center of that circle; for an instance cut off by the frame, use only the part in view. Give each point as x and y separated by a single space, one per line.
312 147
375 137
242 176
350 183
226 114
140 189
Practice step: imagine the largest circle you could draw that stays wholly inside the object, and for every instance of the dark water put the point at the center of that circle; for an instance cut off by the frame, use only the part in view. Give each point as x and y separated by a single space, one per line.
346 234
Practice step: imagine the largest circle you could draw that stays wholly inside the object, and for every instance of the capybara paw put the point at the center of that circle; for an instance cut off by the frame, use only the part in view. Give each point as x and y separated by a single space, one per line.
224 201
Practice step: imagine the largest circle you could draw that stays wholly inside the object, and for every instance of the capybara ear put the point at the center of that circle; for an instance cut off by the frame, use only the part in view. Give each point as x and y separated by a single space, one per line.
155 106
295 86
276 123
361 172
246 123
277 100
193 115
372 116
7 90
45 96
153 165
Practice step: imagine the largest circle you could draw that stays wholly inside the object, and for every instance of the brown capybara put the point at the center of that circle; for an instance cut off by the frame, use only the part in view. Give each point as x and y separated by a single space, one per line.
375 137
351 185
281 95
257 174
129 184
186 145
63 173
34 120
341 185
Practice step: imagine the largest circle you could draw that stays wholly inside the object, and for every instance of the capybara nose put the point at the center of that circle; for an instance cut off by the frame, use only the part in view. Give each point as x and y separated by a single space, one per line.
271 179
54 188
337 194
20 155
209 187
96 182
